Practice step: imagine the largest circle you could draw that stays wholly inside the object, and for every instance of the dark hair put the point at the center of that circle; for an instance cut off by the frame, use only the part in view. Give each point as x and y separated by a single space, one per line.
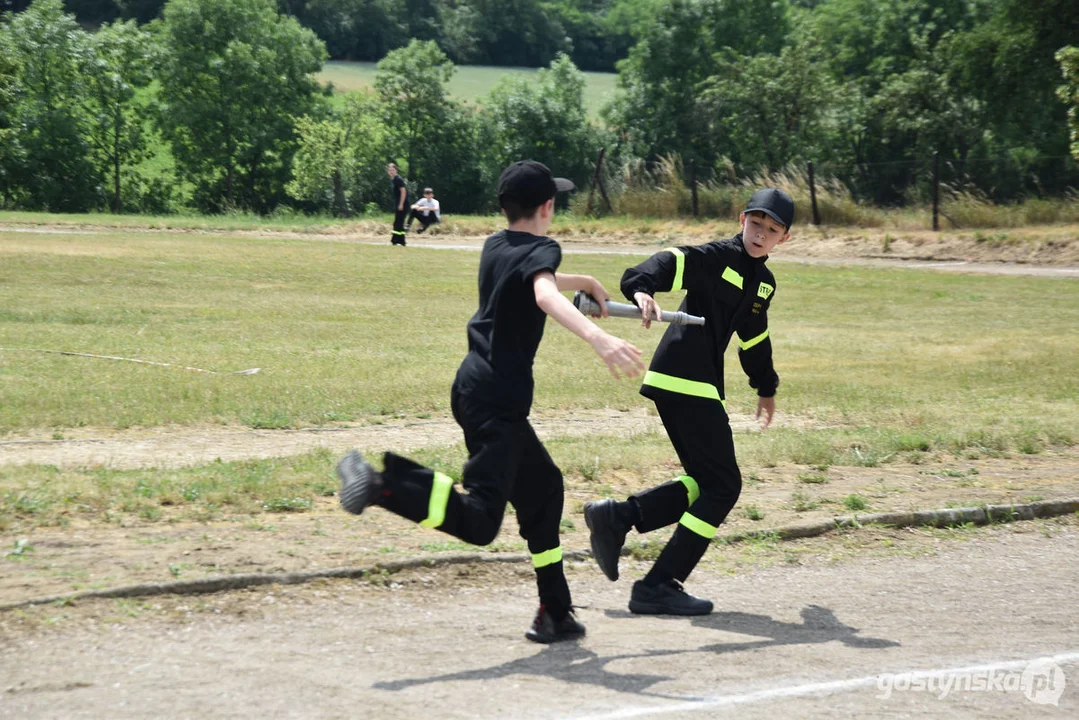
393 165
515 212
428 190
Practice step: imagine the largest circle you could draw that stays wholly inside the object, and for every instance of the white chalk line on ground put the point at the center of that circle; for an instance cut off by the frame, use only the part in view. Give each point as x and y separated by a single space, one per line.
821 688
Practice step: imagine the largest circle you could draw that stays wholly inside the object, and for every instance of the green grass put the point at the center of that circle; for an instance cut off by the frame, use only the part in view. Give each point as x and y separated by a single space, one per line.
469 83
899 362
888 364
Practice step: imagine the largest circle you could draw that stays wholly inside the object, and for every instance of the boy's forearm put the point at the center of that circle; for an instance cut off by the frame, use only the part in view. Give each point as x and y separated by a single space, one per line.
559 307
573 282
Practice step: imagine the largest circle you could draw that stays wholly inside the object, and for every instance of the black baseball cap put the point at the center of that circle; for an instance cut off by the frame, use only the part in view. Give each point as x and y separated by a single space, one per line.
774 203
529 184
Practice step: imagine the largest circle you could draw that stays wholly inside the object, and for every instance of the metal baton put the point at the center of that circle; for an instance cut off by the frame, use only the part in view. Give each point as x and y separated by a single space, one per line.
588 305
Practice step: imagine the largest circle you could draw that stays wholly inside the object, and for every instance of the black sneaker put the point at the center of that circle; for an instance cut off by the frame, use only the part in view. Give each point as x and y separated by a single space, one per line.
545 629
608 535
422 230
360 483
667 598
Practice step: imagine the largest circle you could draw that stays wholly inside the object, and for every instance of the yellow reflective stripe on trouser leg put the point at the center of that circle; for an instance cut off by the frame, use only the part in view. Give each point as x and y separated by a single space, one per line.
679 267
398 232
753 341
682 386
731 275
698 526
440 498
692 489
547 557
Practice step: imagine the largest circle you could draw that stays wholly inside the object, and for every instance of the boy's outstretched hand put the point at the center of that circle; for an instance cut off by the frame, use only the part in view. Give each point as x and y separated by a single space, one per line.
766 406
618 354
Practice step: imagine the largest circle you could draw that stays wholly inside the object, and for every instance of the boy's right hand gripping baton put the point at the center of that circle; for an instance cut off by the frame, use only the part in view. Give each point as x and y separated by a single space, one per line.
588 305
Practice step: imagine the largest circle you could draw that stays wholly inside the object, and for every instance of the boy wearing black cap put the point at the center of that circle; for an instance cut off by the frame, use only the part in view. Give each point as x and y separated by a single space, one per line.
519 286
728 284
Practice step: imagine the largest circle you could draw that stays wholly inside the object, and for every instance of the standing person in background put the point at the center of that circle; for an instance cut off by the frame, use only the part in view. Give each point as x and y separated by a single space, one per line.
400 204
426 210
728 283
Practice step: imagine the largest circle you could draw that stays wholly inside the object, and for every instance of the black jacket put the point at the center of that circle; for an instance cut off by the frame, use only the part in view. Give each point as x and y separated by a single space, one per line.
732 291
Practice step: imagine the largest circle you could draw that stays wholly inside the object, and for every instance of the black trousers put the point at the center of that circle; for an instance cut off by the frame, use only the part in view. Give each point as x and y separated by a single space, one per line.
397 236
427 220
506 463
700 432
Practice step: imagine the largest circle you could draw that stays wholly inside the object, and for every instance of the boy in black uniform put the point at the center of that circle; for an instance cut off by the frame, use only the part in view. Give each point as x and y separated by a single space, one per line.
727 283
400 204
491 397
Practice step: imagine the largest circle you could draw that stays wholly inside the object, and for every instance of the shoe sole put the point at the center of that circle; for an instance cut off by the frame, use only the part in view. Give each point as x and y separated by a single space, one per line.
357 483
590 509
646 608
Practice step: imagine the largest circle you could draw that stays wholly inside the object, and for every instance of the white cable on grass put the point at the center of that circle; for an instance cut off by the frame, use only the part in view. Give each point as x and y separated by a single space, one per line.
249 371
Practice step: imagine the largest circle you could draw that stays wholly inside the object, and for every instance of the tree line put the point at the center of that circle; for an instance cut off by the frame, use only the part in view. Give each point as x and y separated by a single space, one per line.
213 104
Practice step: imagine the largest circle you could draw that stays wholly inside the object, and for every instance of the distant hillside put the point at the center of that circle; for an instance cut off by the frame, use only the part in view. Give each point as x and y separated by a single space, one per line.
469 83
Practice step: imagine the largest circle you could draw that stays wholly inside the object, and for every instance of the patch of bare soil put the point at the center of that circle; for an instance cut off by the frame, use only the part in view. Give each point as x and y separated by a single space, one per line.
84 555
804 630
1026 250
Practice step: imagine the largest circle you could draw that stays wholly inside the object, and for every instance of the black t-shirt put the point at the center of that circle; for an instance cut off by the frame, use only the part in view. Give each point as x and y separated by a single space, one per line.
506 330
396 185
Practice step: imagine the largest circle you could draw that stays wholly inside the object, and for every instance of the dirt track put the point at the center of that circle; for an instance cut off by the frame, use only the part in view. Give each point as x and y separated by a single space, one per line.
822 638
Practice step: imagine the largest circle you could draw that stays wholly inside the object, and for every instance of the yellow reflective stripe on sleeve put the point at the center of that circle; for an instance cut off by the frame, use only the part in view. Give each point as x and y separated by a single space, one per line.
754 341
547 557
732 276
440 498
692 489
764 290
681 385
698 526
679 267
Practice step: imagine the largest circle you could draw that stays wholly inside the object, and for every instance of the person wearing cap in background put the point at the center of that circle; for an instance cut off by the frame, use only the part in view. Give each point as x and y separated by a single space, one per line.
727 283
519 286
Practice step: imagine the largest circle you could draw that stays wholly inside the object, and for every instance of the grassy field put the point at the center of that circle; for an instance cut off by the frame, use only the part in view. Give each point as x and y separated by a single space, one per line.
881 364
469 83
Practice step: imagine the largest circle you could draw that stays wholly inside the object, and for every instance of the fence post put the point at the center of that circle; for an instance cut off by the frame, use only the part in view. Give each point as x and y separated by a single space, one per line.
693 185
936 191
595 180
813 195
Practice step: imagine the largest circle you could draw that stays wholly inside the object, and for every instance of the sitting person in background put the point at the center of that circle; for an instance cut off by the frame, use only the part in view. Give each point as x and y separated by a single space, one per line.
426 210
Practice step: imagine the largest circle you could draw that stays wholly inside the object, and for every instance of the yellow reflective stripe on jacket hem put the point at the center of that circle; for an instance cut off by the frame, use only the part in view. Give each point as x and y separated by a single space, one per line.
731 275
682 386
679 267
698 526
692 489
440 498
754 341
547 557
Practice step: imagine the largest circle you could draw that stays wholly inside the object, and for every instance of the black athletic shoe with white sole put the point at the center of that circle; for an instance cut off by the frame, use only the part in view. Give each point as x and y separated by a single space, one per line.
545 629
667 598
607 535
360 483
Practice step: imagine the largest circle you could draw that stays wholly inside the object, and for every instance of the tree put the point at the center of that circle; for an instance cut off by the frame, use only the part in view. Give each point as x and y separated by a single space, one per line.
410 84
123 57
235 75
339 163
544 119
767 112
660 111
51 51
9 151
1068 57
